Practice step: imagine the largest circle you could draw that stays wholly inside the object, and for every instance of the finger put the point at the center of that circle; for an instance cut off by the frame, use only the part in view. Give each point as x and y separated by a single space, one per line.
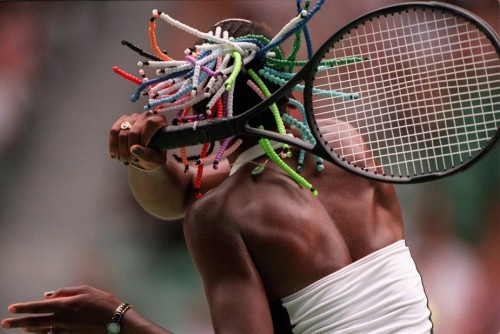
127 138
142 131
30 322
37 330
35 307
113 138
143 127
123 145
68 291
5 323
134 136
146 157
149 125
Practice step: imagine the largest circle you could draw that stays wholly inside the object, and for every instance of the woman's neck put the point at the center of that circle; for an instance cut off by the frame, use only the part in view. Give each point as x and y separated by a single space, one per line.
247 144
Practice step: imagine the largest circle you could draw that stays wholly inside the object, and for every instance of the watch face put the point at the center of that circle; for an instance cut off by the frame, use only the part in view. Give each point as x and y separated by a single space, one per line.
113 328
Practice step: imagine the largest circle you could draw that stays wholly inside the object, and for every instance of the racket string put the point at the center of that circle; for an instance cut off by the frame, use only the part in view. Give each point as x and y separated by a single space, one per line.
448 117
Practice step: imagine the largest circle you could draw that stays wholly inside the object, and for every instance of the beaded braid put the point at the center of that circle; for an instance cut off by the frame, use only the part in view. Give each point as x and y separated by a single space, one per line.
184 158
225 153
274 108
299 25
307 136
140 51
203 84
266 145
126 75
193 157
152 38
199 174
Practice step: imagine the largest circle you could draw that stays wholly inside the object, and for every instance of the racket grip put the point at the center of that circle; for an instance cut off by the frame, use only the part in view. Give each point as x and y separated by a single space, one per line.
193 133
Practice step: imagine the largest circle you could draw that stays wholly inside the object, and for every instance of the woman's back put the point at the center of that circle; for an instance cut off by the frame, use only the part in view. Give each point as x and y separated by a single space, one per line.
291 233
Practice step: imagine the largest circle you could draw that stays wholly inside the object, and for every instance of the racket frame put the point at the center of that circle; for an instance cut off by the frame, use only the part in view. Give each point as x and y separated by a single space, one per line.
212 130
387 10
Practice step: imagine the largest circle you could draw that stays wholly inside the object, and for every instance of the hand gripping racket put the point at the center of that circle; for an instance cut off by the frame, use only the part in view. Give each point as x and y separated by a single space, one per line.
420 101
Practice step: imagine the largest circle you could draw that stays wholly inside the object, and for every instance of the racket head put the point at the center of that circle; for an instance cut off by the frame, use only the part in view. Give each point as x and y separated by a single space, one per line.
422 93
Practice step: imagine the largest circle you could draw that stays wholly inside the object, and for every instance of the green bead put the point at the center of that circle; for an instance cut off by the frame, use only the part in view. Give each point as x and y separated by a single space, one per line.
257 170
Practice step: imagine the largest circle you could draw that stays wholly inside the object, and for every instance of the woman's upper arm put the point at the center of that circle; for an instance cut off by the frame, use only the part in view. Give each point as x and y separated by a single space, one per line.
234 290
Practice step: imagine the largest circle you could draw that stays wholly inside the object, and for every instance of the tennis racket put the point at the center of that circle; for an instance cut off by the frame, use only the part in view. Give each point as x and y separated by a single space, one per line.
421 102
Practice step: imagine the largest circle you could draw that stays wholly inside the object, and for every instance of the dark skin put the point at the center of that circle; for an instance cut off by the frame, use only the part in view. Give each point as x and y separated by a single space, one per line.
282 238
254 239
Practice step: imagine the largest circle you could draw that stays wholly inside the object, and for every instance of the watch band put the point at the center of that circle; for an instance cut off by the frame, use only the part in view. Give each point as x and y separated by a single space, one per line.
114 325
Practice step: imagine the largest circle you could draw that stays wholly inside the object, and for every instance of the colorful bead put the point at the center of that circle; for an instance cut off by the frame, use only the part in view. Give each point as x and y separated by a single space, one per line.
126 75
206 73
184 158
237 67
199 173
266 145
152 38
140 51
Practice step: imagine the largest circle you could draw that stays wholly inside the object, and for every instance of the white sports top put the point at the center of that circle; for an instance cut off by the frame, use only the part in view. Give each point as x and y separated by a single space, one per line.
378 294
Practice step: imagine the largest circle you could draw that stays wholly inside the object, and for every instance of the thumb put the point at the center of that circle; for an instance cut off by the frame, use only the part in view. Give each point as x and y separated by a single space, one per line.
146 158
65 292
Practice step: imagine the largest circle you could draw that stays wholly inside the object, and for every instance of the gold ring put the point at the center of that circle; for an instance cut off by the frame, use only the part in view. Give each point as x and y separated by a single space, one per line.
125 125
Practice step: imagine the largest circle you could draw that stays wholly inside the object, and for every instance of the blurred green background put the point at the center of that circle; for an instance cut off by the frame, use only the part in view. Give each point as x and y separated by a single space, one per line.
66 214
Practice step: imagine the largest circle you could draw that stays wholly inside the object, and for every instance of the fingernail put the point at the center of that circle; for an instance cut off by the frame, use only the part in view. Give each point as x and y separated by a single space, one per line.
5 324
48 293
137 151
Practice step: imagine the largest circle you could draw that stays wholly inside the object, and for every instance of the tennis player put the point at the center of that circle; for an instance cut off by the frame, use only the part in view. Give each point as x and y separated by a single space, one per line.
273 257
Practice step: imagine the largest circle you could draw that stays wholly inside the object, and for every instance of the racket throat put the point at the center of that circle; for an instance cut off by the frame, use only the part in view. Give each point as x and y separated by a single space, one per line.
285 139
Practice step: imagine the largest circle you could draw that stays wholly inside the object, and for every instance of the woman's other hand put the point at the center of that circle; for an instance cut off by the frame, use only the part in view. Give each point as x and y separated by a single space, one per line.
68 310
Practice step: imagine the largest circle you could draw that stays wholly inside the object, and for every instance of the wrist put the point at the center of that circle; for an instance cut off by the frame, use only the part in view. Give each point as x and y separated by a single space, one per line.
114 326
